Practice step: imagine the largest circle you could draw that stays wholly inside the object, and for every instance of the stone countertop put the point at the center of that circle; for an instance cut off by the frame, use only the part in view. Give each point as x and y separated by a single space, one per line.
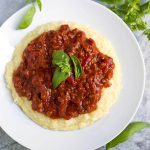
140 141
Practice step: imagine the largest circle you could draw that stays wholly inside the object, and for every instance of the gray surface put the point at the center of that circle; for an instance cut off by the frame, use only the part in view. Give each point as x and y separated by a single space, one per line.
140 141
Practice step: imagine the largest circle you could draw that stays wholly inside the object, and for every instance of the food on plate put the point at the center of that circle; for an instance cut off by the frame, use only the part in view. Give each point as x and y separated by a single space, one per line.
64 76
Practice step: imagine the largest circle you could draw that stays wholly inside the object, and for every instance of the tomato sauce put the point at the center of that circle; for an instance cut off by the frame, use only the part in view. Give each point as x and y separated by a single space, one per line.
33 78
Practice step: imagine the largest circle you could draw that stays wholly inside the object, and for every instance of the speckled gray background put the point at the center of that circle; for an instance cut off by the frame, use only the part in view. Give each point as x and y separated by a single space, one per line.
140 141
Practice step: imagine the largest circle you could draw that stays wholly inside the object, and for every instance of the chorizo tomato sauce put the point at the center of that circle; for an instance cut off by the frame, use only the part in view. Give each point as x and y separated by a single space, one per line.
33 78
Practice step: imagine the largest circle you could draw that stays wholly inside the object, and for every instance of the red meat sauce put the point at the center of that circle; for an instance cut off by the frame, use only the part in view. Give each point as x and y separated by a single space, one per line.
33 78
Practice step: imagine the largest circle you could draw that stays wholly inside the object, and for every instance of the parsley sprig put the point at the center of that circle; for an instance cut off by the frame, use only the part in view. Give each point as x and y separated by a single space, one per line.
132 12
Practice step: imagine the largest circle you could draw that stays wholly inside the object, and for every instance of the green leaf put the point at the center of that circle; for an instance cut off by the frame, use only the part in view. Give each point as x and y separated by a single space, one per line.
147 33
61 59
59 56
27 18
39 4
130 130
111 1
77 66
132 11
59 77
139 24
145 8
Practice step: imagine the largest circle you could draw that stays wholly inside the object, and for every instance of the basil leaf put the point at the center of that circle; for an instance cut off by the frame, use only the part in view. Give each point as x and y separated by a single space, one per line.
61 59
28 17
39 4
130 130
59 56
59 77
77 66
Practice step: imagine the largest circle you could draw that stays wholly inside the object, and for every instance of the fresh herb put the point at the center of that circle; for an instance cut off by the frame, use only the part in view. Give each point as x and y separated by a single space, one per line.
132 12
77 66
130 130
61 59
39 4
147 33
145 8
138 25
28 17
63 70
59 77
111 1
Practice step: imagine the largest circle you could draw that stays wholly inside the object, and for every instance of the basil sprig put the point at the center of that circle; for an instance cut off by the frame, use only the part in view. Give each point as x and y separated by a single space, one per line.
130 130
27 18
77 66
64 70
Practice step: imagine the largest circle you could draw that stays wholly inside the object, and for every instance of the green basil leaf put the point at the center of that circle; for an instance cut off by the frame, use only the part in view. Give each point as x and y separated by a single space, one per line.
28 17
61 59
130 130
59 77
65 67
59 55
77 66
39 4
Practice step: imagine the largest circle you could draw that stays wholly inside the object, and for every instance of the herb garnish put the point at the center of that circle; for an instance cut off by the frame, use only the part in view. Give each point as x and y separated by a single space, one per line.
77 66
59 77
63 70
111 1
132 12
130 130
61 59
29 15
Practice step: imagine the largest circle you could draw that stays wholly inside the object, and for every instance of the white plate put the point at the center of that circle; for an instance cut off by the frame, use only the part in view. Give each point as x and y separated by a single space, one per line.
87 12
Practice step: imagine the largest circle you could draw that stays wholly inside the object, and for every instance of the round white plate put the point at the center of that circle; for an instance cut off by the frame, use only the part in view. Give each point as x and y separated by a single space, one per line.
87 12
